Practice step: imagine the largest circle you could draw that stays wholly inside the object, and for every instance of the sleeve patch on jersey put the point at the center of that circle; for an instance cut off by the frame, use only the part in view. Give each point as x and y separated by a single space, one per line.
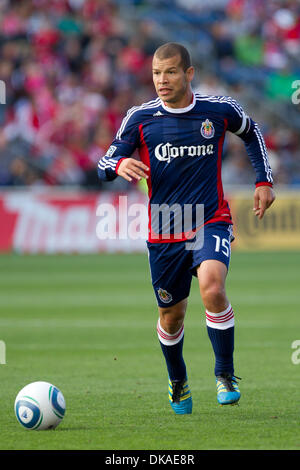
111 151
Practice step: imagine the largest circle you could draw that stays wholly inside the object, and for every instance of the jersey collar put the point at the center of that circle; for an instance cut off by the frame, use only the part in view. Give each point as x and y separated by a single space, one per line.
179 110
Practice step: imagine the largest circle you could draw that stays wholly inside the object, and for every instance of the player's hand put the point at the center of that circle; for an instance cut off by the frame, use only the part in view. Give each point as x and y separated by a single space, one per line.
264 196
131 168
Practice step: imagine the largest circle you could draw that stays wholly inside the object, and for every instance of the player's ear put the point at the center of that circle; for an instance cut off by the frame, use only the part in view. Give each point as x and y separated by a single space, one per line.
190 72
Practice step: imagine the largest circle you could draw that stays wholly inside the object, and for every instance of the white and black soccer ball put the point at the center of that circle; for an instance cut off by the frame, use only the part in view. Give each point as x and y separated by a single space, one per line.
40 405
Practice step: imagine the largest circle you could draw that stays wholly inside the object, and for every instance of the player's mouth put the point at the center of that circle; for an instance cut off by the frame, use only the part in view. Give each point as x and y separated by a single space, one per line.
164 91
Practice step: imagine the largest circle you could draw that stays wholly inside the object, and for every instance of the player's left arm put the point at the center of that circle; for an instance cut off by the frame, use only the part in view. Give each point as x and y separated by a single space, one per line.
264 196
245 128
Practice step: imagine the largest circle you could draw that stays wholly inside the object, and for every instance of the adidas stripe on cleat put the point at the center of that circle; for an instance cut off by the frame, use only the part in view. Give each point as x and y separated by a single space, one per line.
228 392
180 397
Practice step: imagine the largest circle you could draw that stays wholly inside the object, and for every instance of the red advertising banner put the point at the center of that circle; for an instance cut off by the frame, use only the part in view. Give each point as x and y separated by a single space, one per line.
64 222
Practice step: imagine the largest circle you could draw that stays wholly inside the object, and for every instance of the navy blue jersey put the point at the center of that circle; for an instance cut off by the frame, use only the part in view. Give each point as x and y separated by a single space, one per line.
183 149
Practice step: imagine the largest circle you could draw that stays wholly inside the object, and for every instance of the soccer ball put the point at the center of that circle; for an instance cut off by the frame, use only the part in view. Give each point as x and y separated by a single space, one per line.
40 405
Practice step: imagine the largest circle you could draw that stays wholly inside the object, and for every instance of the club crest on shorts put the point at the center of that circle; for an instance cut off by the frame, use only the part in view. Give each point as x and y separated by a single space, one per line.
207 129
164 295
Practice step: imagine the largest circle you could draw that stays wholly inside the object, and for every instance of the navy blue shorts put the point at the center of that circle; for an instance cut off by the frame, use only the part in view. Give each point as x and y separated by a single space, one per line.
172 265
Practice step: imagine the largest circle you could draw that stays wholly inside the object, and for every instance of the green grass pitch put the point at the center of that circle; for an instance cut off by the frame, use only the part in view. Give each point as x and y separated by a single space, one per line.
87 324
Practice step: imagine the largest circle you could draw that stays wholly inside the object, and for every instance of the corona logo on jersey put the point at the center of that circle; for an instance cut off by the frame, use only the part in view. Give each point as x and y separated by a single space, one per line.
165 152
207 129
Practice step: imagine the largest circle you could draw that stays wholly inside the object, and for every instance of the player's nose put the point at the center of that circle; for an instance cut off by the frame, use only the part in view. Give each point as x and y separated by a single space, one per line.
163 79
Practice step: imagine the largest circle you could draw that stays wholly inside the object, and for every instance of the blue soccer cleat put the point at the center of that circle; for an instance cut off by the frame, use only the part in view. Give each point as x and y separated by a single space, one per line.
180 397
227 389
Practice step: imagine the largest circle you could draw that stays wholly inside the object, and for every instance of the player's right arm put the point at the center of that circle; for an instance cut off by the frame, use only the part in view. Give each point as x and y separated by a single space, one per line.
118 161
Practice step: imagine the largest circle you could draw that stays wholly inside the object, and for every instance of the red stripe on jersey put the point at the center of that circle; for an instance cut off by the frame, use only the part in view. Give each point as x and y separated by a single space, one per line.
171 238
219 177
118 164
145 158
264 183
222 213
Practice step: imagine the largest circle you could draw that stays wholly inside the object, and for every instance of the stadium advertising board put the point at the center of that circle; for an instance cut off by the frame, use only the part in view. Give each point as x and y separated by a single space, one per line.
63 222
279 228
85 222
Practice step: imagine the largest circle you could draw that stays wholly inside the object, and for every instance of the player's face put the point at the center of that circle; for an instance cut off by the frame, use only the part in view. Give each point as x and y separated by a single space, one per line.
172 83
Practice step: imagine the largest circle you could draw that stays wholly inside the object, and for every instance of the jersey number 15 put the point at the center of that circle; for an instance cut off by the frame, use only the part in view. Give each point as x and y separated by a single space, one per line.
223 245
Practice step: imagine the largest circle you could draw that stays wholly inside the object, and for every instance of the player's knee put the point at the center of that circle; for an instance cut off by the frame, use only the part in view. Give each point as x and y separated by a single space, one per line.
213 294
171 318
171 322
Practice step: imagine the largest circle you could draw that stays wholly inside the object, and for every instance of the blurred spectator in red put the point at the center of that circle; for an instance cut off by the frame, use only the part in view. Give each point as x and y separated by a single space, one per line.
72 68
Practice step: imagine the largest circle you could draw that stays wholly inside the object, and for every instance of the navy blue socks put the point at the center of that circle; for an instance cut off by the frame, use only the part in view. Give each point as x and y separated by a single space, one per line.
220 328
171 345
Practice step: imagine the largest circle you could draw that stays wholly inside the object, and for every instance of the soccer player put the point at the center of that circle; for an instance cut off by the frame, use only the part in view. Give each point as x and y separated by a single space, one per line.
179 137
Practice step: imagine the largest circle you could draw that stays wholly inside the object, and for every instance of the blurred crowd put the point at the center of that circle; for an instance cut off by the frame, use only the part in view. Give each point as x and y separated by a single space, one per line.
72 68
